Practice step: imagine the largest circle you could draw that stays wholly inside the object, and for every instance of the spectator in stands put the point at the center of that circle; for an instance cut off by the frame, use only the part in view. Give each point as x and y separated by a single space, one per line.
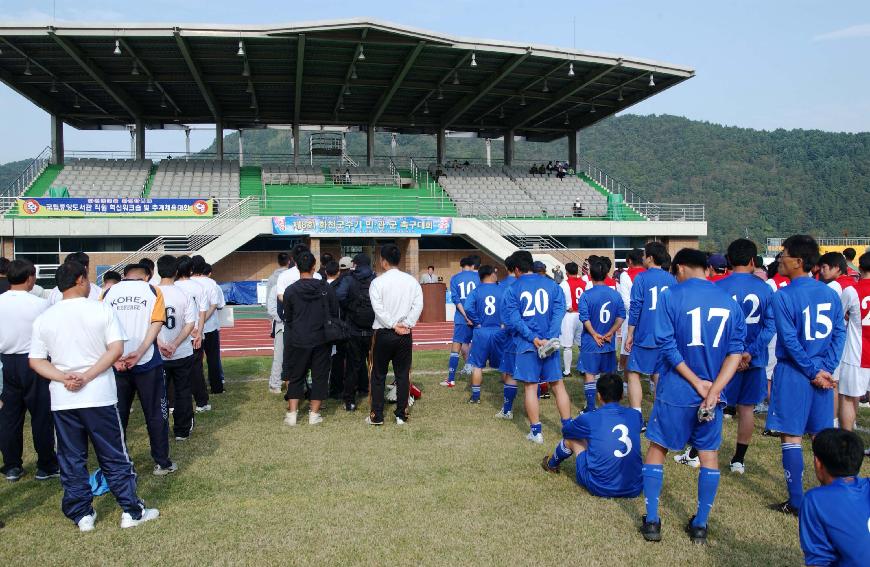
439 173
851 268
466 164
307 303
455 164
560 172
429 276
578 207
347 176
277 324
4 283
356 308
550 168
542 169
215 206
110 278
533 170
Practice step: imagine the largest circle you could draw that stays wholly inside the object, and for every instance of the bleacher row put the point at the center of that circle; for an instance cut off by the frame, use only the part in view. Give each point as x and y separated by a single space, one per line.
274 174
196 178
277 174
104 177
514 192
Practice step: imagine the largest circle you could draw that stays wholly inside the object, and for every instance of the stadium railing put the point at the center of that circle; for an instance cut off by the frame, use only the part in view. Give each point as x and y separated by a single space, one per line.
28 175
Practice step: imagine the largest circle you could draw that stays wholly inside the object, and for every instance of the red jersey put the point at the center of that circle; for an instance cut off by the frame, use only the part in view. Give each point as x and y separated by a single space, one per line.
610 282
780 281
577 285
634 271
846 281
717 277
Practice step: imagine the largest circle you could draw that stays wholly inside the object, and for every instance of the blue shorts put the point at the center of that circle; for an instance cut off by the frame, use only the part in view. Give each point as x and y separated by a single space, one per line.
747 388
582 470
529 368
508 352
597 362
462 333
674 427
796 406
485 347
643 360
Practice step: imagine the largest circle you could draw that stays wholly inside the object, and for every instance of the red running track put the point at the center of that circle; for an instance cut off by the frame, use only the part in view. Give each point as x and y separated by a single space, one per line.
250 337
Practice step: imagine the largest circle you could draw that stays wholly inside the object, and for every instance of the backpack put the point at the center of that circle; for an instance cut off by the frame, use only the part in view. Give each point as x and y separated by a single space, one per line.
359 308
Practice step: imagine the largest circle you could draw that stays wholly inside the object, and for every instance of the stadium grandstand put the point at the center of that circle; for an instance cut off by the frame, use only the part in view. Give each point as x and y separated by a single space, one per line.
322 81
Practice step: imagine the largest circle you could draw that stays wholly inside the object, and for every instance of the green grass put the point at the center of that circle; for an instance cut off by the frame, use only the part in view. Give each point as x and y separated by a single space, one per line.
453 487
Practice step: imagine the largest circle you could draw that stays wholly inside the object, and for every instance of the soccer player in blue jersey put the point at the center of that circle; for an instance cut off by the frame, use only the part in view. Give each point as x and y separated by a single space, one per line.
607 445
534 307
482 307
601 313
507 346
461 285
835 517
700 331
640 344
811 334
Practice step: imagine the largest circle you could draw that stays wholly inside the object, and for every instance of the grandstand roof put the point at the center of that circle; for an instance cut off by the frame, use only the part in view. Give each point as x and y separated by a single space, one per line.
340 72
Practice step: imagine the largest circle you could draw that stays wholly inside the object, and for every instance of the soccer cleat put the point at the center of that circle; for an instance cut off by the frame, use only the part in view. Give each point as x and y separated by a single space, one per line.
201 409
314 418
401 420
651 531
148 514
171 410
467 370
566 373
349 406
536 438
696 535
14 474
785 508
544 391
545 464
274 390
45 475
473 401
290 418
585 410
447 383
684 459
86 524
372 421
643 427
182 437
771 433
163 471
504 415
738 467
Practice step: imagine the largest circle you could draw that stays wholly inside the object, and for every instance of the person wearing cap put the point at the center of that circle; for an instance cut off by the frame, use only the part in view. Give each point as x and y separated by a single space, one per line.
344 265
718 267
429 276
539 267
352 292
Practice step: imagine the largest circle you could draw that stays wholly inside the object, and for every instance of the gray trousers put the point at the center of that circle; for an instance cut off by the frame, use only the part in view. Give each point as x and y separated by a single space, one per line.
277 357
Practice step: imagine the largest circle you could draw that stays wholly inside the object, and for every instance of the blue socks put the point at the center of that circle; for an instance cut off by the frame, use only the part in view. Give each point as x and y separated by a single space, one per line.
653 476
475 393
452 366
535 428
793 465
510 393
708 484
560 453
589 389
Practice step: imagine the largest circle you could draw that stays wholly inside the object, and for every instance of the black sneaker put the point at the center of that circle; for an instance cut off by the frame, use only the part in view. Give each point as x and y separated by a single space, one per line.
473 401
372 420
545 464
545 395
651 531
771 433
643 427
696 534
349 406
45 475
14 474
785 508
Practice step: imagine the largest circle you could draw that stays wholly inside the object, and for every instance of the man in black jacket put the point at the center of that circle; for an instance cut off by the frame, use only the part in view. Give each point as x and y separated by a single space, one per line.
353 295
307 305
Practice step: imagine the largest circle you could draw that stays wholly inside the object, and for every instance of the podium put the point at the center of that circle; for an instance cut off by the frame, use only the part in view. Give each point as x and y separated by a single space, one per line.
434 297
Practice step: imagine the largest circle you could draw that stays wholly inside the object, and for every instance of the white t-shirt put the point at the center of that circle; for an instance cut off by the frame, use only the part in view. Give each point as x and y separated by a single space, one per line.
18 310
137 304
55 296
289 277
180 311
75 333
194 290
215 297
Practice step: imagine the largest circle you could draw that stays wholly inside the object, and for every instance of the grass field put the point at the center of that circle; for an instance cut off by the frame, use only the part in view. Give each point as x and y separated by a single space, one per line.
453 487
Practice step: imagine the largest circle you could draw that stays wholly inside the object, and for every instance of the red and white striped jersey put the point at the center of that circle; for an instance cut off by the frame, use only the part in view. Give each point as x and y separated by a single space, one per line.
856 305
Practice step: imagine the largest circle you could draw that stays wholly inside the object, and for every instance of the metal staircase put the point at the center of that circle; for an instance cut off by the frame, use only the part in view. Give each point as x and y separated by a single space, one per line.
28 175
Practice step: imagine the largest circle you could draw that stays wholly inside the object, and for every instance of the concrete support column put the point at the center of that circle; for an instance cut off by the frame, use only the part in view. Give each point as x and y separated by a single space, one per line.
241 150
410 248
219 140
509 147
187 140
488 152
441 145
296 144
572 149
56 140
314 246
140 139
370 146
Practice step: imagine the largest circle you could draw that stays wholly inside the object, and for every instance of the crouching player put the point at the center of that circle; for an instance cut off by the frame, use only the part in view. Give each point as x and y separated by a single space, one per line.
482 307
601 313
835 517
607 445
700 331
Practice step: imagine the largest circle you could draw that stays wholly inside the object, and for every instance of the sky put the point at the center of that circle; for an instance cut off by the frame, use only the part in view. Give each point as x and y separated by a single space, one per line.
763 64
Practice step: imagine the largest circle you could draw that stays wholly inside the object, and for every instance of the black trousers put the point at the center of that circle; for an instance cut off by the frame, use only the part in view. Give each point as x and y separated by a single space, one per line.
388 347
297 362
211 344
356 376
338 370
197 379
152 397
178 374
23 391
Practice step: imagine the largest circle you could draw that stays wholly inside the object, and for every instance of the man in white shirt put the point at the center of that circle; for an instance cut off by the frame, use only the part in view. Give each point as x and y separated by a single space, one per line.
194 290
397 300
55 295
277 323
291 275
84 397
142 313
211 338
175 346
23 390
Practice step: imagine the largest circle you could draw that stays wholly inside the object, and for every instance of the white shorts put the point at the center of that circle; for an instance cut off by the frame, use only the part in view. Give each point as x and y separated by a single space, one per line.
624 335
771 358
571 328
854 380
